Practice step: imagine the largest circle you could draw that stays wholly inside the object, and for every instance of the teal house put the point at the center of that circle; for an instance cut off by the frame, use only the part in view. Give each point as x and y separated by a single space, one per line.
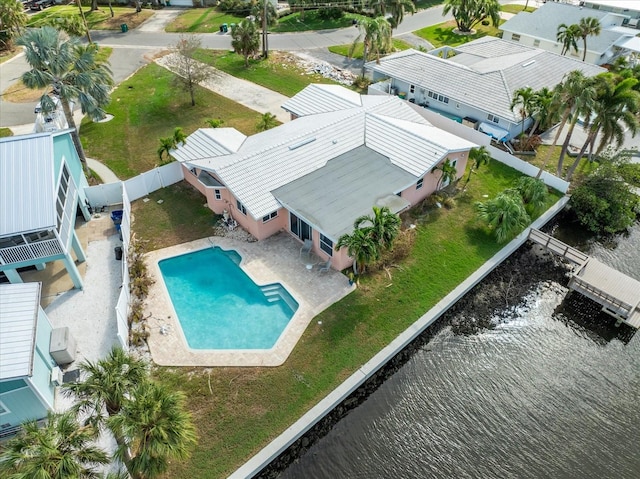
28 373
41 191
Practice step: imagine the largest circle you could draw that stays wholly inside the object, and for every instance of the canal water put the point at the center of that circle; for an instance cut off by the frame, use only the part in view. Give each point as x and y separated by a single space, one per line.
515 382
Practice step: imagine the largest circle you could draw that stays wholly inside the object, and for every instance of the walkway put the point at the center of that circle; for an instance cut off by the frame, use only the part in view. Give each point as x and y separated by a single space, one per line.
160 19
241 91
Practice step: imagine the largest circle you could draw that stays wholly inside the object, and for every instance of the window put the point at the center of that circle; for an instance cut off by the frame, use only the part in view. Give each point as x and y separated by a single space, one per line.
515 37
412 88
241 208
326 245
446 100
3 409
492 118
536 43
269 217
420 183
218 195
432 95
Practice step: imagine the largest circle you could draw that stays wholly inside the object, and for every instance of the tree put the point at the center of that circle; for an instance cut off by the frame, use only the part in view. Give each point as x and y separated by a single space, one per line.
266 16
534 193
72 70
171 143
505 214
245 40
588 26
12 21
541 110
604 203
614 107
384 226
568 35
266 122
106 384
70 24
375 36
448 174
477 157
523 99
469 13
189 71
154 428
396 8
361 246
61 449
214 122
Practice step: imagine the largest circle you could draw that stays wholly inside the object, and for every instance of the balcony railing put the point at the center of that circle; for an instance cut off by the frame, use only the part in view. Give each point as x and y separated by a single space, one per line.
30 251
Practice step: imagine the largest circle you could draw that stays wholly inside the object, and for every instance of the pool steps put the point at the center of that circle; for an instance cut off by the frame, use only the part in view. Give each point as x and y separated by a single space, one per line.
276 292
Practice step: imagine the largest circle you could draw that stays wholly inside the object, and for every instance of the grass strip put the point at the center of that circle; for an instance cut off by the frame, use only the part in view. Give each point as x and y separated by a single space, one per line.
442 34
96 20
398 46
237 411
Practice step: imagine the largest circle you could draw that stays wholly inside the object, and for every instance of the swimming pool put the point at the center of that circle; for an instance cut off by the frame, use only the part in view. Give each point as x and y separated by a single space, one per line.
219 306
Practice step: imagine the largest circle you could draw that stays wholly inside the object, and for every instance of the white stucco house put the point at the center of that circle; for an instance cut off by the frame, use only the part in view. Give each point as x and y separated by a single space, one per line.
540 27
473 83
312 177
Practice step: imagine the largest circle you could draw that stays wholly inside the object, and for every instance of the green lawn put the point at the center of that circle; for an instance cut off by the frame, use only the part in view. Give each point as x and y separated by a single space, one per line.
97 20
202 20
237 411
278 73
516 8
442 34
311 21
146 107
584 169
398 45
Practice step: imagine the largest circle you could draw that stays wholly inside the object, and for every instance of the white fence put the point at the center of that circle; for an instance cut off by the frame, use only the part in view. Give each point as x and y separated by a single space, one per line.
123 192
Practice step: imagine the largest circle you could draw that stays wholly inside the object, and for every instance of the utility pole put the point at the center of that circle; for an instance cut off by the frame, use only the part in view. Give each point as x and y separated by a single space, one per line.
265 42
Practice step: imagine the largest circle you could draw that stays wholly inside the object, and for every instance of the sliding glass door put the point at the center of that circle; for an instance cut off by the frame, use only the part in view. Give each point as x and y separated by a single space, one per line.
299 228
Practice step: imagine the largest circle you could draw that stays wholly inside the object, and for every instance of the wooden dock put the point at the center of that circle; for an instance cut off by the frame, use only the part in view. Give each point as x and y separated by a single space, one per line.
618 293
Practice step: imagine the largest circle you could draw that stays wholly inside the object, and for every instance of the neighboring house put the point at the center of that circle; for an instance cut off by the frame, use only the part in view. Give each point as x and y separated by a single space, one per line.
474 83
540 28
314 176
27 384
41 187
628 8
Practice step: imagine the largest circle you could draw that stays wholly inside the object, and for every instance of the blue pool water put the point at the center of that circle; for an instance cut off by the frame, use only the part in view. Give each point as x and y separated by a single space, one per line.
219 306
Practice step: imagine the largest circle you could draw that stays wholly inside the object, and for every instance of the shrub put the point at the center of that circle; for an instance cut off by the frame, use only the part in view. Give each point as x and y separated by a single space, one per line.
330 13
631 173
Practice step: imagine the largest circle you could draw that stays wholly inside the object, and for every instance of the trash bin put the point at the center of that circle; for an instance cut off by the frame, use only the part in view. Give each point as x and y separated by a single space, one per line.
225 28
124 27
118 251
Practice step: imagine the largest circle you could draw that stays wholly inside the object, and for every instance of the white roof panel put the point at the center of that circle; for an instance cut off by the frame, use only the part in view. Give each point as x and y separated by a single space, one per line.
318 98
26 183
19 305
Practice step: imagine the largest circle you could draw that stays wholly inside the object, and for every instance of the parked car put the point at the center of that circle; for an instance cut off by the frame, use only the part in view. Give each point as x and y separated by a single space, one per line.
41 4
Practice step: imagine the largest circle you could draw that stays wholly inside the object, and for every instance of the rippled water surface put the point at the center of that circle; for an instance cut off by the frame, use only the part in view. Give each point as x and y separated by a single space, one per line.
551 391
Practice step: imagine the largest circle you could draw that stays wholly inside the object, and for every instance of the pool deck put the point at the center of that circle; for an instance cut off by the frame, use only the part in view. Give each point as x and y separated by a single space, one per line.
276 259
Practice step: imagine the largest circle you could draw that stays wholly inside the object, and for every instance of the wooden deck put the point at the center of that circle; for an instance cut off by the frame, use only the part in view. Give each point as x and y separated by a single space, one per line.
618 293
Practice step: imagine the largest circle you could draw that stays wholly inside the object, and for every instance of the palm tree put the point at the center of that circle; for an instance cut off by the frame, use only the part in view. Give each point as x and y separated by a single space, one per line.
179 136
505 214
361 246
588 26
564 100
266 122
449 173
61 449
154 428
533 192
375 35
541 109
523 99
384 225
396 8
245 39
478 157
568 35
12 21
166 145
72 70
106 383
468 13
614 108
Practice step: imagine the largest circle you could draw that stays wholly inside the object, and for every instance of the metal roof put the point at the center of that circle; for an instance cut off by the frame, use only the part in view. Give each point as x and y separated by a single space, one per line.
19 304
27 183
484 73
271 159
207 142
332 197
543 23
318 98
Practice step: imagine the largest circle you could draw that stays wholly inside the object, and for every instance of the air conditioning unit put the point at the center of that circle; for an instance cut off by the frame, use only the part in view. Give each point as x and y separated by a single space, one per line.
56 376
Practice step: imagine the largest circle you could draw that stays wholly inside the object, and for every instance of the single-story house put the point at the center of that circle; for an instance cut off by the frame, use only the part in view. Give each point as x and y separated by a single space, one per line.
27 370
41 190
315 175
540 28
628 8
473 83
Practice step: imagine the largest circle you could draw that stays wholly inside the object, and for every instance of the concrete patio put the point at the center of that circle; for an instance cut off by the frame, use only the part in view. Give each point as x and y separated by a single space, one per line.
276 259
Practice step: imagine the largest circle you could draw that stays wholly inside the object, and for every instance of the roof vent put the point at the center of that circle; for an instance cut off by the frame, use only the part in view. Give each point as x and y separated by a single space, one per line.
528 63
306 141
